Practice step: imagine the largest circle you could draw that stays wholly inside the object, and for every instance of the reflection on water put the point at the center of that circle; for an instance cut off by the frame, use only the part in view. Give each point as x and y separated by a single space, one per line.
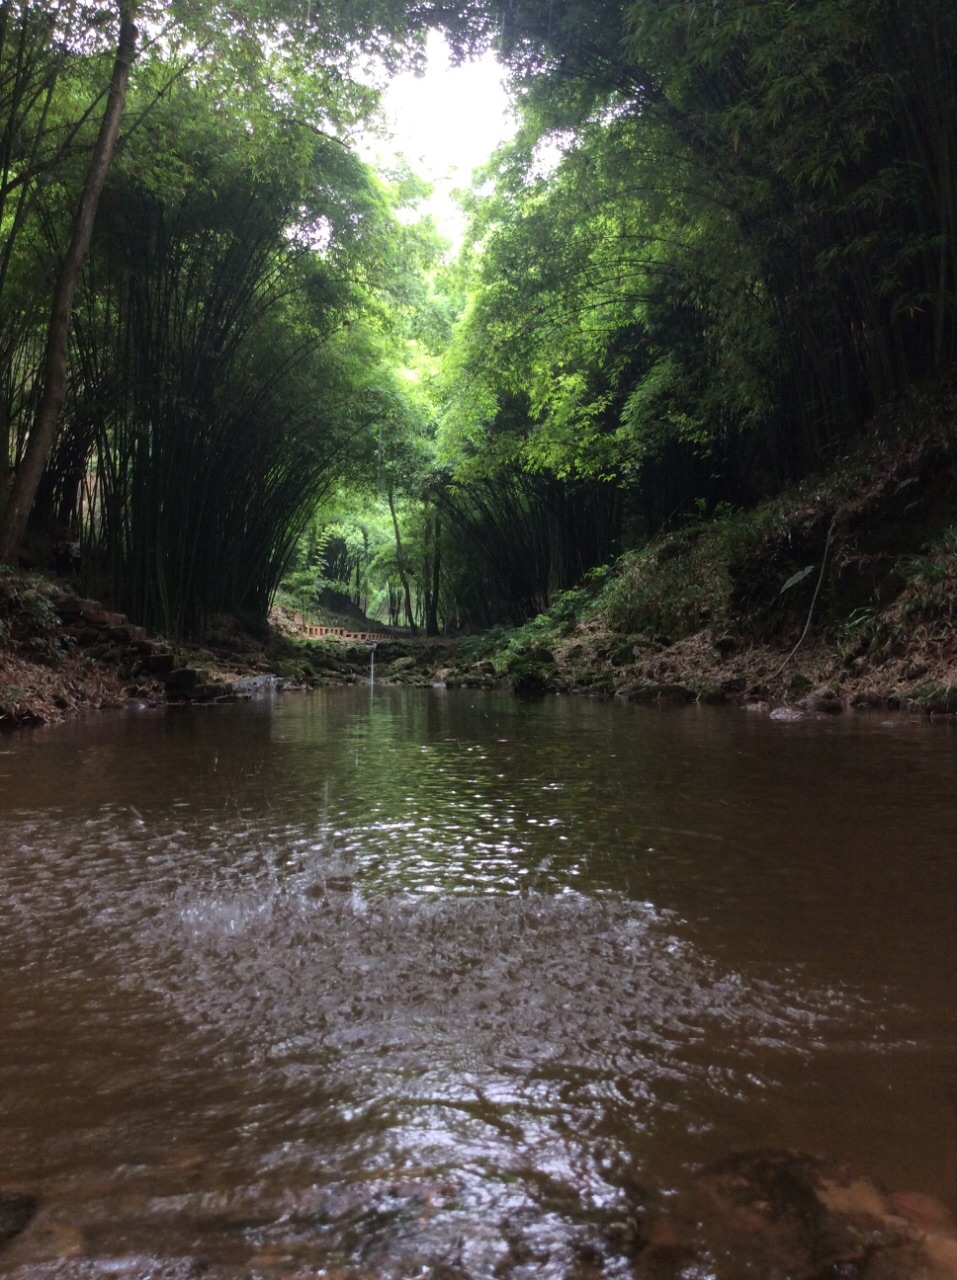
442 979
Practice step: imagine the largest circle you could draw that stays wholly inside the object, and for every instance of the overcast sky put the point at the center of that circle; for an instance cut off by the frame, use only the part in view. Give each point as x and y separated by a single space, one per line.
446 123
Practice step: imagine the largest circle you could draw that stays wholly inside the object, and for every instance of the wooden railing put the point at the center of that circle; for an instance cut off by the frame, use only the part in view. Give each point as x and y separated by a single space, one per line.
340 633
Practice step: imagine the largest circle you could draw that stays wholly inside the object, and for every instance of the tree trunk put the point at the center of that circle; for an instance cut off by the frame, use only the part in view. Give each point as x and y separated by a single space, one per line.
400 565
5 474
43 433
432 591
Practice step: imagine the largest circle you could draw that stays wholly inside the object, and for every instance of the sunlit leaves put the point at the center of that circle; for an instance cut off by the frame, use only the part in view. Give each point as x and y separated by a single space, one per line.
723 230
597 289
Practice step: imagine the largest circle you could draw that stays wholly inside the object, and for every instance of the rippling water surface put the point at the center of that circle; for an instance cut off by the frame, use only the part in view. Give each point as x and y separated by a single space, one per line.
426 979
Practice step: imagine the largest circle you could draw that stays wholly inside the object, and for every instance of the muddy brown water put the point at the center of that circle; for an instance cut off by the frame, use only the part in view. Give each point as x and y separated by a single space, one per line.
444 983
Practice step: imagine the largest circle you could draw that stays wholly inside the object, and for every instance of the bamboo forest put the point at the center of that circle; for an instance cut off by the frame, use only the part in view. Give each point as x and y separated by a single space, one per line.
478 647
719 244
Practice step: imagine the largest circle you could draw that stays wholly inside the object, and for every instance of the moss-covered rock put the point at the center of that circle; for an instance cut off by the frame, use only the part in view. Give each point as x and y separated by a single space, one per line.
938 699
531 681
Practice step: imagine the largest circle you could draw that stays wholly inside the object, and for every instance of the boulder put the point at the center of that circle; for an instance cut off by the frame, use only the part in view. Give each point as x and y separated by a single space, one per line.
786 713
182 679
158 663
211 690
127 633
100 617
74 607
822 700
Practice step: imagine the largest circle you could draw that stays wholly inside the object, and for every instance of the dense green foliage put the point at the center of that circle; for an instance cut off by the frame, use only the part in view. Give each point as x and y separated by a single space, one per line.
241 306
721 238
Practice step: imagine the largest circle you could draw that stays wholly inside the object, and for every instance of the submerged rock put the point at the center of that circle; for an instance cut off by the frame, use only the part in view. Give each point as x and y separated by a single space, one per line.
785 1213
17 1209
786 713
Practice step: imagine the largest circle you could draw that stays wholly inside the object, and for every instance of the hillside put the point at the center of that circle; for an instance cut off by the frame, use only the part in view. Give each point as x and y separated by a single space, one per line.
839 593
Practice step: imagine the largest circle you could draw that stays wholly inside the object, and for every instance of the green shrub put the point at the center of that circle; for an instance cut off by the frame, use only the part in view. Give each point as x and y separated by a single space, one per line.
28 617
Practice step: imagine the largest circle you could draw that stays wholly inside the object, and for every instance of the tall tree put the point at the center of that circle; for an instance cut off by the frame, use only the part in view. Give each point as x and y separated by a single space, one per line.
723 234
14 517
220 353
291 48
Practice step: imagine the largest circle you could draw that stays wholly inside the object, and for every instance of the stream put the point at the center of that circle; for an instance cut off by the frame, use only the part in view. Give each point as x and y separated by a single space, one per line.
440 983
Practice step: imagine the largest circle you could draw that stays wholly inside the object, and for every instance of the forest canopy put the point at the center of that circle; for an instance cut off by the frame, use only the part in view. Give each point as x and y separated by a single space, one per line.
720 240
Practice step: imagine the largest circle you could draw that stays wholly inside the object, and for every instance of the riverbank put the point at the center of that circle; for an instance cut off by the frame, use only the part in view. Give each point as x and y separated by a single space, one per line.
54 673
840 593
62 654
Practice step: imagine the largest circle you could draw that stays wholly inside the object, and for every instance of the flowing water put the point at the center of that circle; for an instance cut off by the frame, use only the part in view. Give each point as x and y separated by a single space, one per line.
442 983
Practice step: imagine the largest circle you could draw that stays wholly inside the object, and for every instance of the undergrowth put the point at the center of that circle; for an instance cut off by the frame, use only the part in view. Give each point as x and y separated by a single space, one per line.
28 618
499 645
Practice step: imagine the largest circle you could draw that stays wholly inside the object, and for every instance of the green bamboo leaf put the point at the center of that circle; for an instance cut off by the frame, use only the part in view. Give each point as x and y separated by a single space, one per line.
795 578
